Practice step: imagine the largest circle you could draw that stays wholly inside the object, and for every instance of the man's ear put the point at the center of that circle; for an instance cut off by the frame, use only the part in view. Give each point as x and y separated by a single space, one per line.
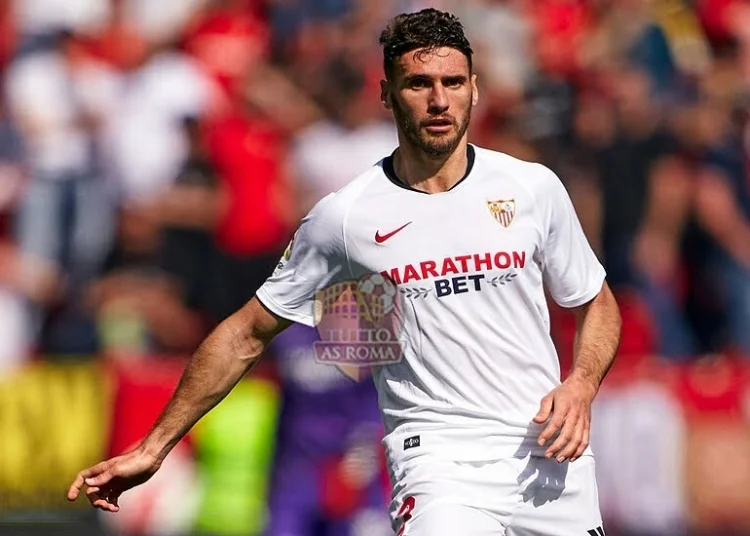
474 90
385 94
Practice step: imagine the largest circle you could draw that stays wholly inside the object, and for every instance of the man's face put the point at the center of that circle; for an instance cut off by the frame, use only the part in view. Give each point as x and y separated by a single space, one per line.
431 94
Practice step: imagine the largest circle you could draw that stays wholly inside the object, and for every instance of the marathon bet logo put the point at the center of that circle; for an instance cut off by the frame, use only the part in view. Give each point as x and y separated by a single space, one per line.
358 324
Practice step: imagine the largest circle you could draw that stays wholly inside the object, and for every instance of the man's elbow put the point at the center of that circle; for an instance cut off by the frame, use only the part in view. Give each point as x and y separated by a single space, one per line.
252 328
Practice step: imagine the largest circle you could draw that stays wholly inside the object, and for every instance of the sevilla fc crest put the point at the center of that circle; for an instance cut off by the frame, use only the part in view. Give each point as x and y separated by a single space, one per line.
503 211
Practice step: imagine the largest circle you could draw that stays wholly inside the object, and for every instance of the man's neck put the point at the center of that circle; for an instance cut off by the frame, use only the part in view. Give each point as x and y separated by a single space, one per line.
430 175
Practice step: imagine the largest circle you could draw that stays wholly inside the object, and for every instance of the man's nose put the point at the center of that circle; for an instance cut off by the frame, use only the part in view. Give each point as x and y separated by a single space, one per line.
438 99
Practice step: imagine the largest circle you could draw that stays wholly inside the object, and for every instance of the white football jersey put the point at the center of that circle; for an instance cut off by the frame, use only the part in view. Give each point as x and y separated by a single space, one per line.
470 265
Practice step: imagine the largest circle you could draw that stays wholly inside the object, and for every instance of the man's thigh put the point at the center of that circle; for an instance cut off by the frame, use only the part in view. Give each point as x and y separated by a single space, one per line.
445 498
452 520
557 500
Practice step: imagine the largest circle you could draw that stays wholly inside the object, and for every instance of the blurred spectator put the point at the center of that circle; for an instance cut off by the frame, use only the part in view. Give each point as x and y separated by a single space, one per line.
645 200
155 295
188 214
291 17
8 32
229 42
160 22
162 88
39 22
502 40
22 276
723 205
249 151
354 135
60 100
232 46
156 156
628 32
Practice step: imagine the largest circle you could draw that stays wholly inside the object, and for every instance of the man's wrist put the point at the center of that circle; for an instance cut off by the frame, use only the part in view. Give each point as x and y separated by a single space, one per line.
586 381
155 447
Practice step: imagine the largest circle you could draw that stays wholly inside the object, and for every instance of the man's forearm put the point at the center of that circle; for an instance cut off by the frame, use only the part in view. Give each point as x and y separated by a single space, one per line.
217 366
597 339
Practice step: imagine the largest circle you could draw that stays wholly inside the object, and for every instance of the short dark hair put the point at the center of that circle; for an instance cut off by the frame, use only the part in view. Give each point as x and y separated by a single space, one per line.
428 29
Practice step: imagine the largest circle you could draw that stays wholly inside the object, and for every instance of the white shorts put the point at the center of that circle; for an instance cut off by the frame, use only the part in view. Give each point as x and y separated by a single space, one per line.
529 496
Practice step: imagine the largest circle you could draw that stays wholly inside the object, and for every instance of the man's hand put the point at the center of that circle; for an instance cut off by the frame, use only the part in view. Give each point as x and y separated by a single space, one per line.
107 480
567 408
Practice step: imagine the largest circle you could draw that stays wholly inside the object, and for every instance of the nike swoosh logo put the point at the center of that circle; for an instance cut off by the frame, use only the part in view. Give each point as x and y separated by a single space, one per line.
382 238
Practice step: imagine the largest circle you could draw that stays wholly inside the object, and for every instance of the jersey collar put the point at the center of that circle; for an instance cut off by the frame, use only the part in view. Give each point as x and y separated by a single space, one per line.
390 172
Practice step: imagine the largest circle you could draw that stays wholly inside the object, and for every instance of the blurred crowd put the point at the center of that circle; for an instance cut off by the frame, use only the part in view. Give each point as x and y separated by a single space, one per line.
157 156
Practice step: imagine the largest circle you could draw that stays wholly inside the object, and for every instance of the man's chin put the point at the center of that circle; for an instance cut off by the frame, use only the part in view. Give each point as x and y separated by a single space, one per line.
438 146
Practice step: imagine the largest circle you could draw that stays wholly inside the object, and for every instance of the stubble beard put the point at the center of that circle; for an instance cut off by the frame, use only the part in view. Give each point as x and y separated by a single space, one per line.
431 146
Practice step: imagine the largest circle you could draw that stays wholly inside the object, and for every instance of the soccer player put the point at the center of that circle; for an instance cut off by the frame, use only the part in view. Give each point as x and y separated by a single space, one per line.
481 435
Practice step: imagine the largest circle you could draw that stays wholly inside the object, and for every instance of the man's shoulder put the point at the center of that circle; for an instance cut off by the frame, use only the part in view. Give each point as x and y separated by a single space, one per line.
334 206
532 175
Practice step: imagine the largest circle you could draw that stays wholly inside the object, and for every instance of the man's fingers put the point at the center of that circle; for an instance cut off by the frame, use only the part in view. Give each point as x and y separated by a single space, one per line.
573 443
81 479
99 480
105 505
555 423
97 469
545 409
95 497
552 428
566 433
75 488
104 499
584 440
93 477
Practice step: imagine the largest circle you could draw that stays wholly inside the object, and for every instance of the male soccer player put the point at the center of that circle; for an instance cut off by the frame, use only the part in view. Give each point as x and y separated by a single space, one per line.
482 438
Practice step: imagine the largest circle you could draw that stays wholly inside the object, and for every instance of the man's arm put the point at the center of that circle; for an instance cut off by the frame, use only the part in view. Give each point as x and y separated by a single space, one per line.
568 408
598 327
221 361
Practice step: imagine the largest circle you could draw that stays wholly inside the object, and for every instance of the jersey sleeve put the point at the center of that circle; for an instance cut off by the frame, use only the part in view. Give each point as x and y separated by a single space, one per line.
314 259
572 272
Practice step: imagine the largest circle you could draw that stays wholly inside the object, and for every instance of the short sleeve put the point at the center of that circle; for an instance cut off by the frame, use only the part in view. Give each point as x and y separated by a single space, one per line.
572 272
314 259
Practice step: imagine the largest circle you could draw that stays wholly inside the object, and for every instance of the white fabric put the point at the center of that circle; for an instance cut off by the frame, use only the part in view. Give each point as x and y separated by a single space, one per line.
507 497
41 90
478 362
15 332
41 16
145 141
162 19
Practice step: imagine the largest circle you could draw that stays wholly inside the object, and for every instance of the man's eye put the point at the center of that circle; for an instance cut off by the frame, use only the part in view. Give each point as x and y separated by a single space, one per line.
418 84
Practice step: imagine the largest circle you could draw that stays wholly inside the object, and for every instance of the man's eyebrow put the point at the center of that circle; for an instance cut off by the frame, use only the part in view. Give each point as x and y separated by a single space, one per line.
417 76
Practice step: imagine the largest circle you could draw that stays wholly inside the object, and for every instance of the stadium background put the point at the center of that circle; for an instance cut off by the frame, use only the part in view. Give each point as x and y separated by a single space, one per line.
155 157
